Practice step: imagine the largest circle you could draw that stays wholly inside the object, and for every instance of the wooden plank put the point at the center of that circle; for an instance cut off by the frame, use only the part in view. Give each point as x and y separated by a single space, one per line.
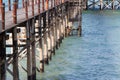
19 15
15 57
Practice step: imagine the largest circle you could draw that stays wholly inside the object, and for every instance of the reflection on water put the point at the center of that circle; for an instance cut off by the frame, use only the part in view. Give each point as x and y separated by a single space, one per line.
94 56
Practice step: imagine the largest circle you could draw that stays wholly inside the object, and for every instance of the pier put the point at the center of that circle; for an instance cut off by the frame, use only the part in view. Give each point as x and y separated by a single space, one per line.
30 23
28 26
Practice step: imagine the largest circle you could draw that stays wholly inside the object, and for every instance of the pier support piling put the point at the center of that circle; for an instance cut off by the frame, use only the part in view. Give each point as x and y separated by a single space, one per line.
15 55
2 56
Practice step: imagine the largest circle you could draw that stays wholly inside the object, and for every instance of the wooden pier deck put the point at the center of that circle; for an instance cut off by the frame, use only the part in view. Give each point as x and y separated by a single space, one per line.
22 14
38 24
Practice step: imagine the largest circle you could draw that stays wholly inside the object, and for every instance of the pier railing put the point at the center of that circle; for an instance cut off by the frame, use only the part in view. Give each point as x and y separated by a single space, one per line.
15 11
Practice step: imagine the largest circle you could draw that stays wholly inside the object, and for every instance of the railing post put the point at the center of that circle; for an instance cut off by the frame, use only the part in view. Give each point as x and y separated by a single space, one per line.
26 9
113 5
51 3
15 12
32 7
62 1
23 3
46 5
38 6
42 5
3 16
9 5
1 1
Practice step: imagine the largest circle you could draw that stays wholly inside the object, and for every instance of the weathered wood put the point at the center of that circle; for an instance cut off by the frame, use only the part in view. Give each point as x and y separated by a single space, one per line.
51 27
3 16
39 6
15 11
1 2
52 34
10 45
41 45
49 38
26 9
33 8
2 57
15 53
29 56
43 5
33 50
45 40
9 5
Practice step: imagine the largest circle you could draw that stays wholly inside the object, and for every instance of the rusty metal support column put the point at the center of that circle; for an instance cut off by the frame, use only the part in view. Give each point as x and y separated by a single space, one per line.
29 55
15 55
33 49
2 56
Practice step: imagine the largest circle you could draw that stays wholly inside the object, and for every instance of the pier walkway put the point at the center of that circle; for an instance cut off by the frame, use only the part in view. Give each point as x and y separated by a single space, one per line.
28 25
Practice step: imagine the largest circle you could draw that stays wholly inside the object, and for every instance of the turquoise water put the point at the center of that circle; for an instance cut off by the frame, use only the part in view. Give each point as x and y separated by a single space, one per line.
94 56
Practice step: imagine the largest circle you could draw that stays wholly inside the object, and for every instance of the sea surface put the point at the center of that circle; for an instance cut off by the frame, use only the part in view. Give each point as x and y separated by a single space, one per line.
94 56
